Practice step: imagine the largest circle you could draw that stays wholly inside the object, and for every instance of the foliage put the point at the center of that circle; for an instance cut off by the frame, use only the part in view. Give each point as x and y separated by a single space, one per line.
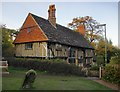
93 31
50 67
115 51
115 60
94 67
100 48
100 60
7 40
38 59
112 73
93 73
111 50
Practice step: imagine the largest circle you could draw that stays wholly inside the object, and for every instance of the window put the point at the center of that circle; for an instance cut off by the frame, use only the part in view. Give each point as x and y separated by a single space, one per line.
72 52
28 46
28 29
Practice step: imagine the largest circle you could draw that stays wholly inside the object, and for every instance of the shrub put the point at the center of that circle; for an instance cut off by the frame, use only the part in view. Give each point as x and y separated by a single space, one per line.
49 66
100 60
94 67
115 60
112 74
93 73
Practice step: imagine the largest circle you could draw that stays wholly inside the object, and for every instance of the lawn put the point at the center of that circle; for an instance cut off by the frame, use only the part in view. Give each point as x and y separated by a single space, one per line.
45 81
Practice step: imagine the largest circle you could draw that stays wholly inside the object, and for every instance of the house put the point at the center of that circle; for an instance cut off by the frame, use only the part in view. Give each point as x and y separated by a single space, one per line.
42 38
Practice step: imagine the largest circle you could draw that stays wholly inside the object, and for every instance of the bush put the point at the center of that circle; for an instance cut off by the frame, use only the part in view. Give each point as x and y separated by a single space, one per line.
112 70
112 74
93 71
94 67
49 66
100 60
115 60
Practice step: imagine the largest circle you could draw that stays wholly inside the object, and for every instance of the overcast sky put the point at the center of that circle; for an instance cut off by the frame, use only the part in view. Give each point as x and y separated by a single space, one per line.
14 13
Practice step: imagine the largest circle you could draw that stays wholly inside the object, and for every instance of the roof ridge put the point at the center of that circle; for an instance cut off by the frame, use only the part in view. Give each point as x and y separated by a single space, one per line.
38 16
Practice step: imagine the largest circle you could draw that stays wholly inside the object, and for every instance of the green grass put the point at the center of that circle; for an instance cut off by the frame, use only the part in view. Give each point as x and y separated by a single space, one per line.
45 81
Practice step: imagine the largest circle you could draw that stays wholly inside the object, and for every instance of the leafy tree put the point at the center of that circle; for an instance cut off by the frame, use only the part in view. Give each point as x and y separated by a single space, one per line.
116 51
100 48
111 50
93 31
7 40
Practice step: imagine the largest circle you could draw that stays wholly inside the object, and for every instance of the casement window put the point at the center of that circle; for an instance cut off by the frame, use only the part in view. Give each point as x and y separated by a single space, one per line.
28 46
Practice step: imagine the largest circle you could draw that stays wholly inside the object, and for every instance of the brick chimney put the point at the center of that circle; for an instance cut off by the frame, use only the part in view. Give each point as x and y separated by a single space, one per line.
51 15
81 29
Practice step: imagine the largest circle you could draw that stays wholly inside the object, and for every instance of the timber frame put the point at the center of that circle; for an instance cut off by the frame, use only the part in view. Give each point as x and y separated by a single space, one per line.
39 39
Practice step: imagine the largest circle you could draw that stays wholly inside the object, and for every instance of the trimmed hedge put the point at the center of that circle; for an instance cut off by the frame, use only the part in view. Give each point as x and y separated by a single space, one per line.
49 66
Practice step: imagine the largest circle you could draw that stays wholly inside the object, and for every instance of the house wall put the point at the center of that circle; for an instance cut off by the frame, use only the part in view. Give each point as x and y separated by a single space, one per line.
50 50
80 53
39 49
89 53
89 56
57 50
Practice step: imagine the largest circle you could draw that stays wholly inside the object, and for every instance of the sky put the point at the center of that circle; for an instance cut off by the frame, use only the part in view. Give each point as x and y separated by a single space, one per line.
15 13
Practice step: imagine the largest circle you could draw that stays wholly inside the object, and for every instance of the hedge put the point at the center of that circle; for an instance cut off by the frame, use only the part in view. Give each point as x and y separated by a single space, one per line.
112 70
50 66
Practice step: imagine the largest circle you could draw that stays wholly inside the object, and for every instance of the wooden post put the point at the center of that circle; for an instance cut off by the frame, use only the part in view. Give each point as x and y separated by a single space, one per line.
100 72
76 58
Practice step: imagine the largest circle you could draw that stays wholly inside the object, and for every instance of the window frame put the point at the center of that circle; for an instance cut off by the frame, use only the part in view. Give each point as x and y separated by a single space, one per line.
28 46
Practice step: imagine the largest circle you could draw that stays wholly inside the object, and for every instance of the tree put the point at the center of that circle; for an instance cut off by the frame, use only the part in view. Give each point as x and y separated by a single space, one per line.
100 48
116 51
111 49
93 31
7 40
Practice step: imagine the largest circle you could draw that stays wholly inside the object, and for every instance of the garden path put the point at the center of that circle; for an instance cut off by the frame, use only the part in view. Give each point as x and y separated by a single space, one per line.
110 85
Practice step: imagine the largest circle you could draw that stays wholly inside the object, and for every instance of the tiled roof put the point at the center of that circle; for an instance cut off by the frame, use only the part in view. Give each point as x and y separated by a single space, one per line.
30 32
61 34
32 36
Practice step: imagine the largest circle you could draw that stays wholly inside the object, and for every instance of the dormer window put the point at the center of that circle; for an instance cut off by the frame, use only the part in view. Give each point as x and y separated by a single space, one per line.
28 30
